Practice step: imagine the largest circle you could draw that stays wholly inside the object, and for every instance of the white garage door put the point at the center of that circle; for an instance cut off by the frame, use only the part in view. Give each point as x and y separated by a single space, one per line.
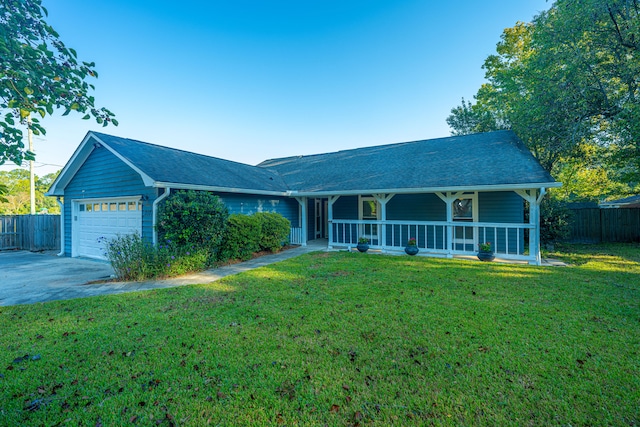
97 221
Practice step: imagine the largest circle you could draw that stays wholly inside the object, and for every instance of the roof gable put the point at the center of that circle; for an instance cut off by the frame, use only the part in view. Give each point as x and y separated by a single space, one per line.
164 166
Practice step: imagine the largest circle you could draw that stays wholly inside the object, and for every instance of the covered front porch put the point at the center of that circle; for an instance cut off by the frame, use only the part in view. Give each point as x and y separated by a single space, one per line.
509 241
444 224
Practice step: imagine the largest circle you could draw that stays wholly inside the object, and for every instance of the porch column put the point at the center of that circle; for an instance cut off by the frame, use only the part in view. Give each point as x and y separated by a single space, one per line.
331 201
448 199
302 201
534 200
383 200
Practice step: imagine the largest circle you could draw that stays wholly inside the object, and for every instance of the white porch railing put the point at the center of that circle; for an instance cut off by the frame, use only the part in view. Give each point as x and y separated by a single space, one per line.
295 236
507 240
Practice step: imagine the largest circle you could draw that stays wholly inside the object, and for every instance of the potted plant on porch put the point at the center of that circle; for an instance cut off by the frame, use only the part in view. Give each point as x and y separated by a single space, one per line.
363 244
485 252
412 247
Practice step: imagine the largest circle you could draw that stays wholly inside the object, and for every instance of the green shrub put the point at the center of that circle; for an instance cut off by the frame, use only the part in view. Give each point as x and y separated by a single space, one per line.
131 258
274 231
241 238
193 219
134 259
555 220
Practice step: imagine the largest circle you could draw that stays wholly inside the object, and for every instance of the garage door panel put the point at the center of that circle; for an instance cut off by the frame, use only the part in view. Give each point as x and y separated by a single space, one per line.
102 220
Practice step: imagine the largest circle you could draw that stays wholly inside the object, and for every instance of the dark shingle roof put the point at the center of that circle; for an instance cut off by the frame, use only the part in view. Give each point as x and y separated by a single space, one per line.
169 165
493 158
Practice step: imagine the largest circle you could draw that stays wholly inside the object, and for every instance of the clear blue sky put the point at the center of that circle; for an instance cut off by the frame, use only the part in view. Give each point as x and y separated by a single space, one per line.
248 80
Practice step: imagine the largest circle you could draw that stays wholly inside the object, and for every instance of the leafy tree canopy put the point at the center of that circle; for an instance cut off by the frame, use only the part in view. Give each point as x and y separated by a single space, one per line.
17 196
38 74
568 85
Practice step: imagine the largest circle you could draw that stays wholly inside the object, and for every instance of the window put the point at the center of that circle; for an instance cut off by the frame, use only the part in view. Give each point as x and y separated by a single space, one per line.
369 207
369 210
463 210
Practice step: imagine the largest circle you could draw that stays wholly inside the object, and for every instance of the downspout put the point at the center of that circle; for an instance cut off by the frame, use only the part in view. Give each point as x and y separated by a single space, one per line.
167 191
61 204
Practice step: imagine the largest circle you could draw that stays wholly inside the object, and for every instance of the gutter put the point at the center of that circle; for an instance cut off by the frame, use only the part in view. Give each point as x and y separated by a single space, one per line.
167 191
497 187
179 186
61 226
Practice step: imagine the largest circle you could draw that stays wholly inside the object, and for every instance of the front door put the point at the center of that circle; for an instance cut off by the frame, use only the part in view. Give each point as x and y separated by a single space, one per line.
465 209
369 210
321 216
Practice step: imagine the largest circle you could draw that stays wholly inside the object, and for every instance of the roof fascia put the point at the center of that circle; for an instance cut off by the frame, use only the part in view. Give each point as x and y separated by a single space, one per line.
71 168
146 179
179 186
430 189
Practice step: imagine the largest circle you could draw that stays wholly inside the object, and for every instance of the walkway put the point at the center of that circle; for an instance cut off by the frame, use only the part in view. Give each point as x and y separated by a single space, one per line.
203 277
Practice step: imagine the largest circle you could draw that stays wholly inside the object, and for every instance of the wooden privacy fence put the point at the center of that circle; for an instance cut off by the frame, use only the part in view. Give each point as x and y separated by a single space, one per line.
30 232
595 225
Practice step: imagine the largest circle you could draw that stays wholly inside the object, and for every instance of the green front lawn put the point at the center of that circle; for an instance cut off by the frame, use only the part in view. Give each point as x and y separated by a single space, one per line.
340 339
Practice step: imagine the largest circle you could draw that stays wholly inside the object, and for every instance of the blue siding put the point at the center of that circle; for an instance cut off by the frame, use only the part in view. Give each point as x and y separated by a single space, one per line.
248 204
500 206
104 175
346 207
505 207
416 207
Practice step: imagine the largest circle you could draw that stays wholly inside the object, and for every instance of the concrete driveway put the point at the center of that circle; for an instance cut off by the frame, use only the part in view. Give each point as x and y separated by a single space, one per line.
28 277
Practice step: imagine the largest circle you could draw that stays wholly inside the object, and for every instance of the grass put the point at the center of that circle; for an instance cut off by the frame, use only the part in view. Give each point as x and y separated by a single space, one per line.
340 339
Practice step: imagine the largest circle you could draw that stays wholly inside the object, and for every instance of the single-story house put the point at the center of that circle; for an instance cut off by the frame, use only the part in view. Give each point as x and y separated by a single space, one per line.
450 194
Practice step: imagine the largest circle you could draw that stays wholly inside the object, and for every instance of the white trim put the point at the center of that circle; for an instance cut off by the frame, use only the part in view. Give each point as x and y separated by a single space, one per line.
78 158
154 214
480 188
178 186
146 179
75 209
302 212
62 242
474 219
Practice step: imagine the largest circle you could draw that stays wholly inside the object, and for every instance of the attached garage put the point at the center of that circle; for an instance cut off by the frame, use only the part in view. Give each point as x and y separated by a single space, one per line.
96 221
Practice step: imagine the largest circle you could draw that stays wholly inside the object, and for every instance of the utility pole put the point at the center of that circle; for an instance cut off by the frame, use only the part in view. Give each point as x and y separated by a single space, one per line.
32 184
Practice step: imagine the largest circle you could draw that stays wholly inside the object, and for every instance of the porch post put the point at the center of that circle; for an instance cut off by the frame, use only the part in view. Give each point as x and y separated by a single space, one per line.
302 201
534 200
331 201
448 199
383 200
538 201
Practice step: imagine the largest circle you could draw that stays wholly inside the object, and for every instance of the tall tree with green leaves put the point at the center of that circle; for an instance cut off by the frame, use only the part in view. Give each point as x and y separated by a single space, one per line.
38 74
566 83
17 198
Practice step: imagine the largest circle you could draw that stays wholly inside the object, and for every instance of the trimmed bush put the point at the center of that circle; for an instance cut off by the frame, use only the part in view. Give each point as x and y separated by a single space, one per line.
193 219
274 231
241 238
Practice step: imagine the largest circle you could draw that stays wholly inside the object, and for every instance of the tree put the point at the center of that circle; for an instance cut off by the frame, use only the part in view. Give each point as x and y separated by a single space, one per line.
567 84
17 197
38 74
